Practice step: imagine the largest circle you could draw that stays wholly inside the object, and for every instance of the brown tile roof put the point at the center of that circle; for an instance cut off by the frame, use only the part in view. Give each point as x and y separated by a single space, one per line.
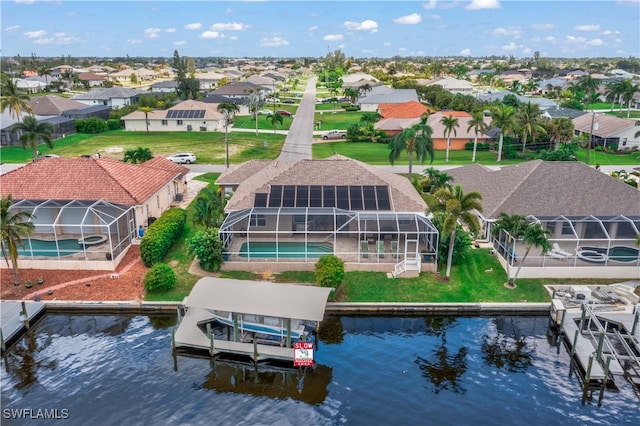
335 170
607 125
53 105
548 188
461 132
411 109
89 179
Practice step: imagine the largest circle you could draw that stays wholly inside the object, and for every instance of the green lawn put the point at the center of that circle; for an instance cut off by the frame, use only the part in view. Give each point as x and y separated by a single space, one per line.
623 114
264 123
337 120
331 106
608 159
208 147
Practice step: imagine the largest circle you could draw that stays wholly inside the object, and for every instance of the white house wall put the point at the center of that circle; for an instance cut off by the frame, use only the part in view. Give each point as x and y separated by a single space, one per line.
137 125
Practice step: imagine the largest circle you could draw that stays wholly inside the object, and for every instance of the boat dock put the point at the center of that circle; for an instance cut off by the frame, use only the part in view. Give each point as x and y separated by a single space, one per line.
15 318
600 328
199 327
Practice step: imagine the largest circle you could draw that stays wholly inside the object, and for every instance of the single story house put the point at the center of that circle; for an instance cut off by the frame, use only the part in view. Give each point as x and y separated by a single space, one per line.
209 80
283 216
462 133
372 101
608 130
240 90
115 97
87 210
168 86
62 126
186 116
397 117
53 105
92 79
593 219
453 85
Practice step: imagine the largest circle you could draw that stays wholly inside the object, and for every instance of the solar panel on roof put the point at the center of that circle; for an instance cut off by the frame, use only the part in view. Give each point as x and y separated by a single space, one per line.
260 200
186 113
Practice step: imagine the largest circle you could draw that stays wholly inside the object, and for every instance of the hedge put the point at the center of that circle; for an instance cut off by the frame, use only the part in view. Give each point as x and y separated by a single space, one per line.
161 235
480 147
160 277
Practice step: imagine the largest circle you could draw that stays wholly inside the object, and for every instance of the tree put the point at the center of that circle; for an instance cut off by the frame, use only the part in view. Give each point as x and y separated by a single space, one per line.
589 85
14 226
628 90
503 118
208 209
351 93
450 124
275 118
13 98
45 72
560 129
528 122
206 244
254 101
415 139
138 155
533 235
32 132
229 109
434 180
146 110
458 207
479 126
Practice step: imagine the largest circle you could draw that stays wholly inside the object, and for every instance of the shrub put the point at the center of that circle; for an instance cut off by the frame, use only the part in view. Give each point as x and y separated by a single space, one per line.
160 277
113 124
161 235
208 247
482 146
91 125
352 108
329 271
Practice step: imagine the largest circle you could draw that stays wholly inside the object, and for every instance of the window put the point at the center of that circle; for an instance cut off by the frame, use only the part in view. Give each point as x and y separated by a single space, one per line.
258 220
624 142
165 122
179 123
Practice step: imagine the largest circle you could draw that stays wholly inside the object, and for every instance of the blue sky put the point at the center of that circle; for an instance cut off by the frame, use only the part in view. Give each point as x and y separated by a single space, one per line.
474 28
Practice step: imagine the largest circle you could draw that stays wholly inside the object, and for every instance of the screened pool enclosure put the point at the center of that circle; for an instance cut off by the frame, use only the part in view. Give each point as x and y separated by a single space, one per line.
76 234
303 234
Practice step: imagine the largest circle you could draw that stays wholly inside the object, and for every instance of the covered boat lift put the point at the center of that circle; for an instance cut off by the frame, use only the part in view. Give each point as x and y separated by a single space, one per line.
241 299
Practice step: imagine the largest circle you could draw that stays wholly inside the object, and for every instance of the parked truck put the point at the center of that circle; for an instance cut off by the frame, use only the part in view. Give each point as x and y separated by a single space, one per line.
335 134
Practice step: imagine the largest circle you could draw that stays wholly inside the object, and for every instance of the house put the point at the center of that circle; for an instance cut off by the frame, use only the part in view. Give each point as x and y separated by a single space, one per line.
209 80
87 210
584 210
462 134
283 216
185 116
562 112
53 105
608 130
62 126
453 85
91 79
115 97
240 90
243 107
29 86
164 86
267 84
397 117
142 74
377 96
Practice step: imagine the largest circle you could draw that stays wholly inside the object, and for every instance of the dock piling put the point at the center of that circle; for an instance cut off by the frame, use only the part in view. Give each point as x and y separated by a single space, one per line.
604 381
587 380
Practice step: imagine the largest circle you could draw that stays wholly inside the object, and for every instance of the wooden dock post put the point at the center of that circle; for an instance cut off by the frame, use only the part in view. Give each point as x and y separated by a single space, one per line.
604 381
288 332
173 339
235 326
587 380
255 350
575 342
600 344
584 314
179 314
210 336
636 317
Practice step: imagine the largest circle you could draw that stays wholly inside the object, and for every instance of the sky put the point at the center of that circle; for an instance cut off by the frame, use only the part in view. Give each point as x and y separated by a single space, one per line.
474 28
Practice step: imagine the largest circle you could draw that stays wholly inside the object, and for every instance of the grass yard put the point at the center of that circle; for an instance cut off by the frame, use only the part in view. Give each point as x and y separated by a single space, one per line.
608 159
337 119
331 106
208 147
264 122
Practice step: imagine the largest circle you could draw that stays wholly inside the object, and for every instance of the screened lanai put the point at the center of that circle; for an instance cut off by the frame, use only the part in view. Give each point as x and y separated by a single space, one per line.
578 241
303 234
90 231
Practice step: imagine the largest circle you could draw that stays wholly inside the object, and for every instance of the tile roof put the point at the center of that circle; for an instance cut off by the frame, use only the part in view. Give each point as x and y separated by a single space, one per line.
89 179
53 105
109 93
335 170
604 125
461 132
211 112
411 109
548 188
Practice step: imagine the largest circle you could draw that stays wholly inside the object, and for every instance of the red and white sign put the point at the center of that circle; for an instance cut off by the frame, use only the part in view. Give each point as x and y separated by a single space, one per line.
303 354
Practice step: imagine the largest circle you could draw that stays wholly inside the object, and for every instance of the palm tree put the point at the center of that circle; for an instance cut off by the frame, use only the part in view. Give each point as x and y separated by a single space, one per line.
479 126
414 139
275 118
254 101
208 209
533 235
528 121
450 124
33 132
146 111
351 93
434 180
13 227
13 98
229 109
46 73
589 85
628 90
138 155
612 92
458 207
560 129
502 117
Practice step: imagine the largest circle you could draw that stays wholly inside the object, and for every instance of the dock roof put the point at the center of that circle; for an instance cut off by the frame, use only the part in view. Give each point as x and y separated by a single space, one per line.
303 302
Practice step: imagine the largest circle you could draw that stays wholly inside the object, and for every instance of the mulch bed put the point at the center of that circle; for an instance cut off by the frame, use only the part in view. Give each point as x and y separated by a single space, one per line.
95 285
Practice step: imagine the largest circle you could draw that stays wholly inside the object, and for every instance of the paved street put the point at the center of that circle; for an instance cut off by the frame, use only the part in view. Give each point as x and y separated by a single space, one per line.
297 145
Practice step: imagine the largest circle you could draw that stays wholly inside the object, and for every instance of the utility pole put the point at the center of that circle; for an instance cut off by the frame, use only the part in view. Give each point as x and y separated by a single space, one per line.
593 119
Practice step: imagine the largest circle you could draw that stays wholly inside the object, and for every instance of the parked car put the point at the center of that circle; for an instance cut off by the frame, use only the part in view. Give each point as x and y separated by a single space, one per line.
50 156
335 134
284 113
288 101
272 100
183 158
265 112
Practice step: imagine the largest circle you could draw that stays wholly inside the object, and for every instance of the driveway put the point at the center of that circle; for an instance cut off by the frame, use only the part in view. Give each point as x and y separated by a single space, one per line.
297 145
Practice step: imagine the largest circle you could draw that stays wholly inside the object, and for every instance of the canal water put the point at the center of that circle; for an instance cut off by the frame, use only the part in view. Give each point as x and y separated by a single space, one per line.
119 370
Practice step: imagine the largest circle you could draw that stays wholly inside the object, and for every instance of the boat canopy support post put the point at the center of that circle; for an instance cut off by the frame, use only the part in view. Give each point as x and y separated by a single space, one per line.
235 326
288 332
587 380
636 317
210 336
604 381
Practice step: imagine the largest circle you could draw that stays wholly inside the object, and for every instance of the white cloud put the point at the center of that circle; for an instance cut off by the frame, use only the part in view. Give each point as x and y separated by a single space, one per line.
510 47
152 32
233 37
228 10
386 44
465 52
440 4
313 28
179 43
134 41
595 42
526 51
170 30
273 42
610 32
12 28
211 34
35 34
434 17
62 39
511 32
59 34
535 39
193 26
367 25
412 19
430 5
594 27
228 26
333 37
550 39
483 4
25 1
573 39
543 26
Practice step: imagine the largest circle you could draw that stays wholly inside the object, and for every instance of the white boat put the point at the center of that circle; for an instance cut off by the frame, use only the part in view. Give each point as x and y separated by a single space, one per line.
259 324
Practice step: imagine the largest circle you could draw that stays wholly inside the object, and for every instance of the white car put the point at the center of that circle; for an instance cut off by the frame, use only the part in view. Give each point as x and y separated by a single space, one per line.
265 112
183 158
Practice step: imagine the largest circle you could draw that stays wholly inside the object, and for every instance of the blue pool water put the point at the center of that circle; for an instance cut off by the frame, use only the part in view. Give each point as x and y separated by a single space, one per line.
48 248
285 249
117 370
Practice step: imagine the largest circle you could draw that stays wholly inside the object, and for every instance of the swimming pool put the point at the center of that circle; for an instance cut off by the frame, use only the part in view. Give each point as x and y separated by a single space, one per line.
289 249
48 248
624 254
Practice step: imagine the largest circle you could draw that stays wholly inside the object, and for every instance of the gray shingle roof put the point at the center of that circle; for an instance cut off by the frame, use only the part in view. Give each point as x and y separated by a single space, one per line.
109 93
548 188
